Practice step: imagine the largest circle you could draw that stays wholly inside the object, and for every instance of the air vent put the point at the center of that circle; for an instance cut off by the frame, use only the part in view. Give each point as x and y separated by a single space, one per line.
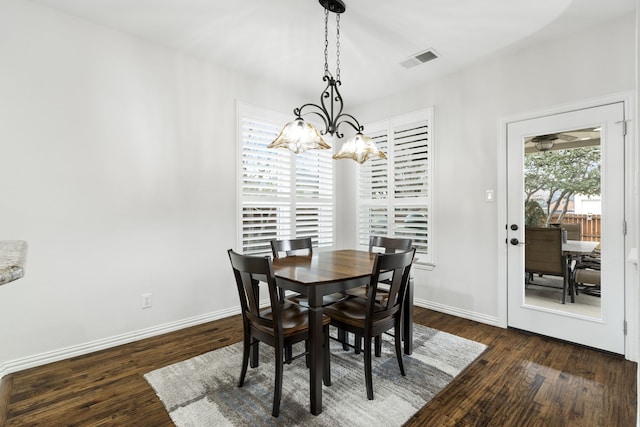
419 58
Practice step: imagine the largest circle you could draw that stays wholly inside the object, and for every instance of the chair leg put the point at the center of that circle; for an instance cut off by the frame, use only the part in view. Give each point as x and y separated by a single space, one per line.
378 345
277 391
357 342
254 353
288 353
367 367
343 337
326 358
246 350
398 341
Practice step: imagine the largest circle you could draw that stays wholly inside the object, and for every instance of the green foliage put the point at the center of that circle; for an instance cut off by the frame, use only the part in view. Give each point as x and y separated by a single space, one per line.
533 214
560 174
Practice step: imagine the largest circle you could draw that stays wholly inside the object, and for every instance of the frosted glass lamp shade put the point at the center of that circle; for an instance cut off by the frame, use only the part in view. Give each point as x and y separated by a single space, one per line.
359 148
299 136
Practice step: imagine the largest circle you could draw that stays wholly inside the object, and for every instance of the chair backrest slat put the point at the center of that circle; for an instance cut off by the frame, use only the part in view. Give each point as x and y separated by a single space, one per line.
249 271
389 245
291 246
398 265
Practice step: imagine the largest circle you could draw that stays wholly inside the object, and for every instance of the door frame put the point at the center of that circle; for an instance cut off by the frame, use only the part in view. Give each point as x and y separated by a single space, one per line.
631 203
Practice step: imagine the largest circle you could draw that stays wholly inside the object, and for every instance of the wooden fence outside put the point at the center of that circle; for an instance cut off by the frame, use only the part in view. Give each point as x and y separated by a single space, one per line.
590 224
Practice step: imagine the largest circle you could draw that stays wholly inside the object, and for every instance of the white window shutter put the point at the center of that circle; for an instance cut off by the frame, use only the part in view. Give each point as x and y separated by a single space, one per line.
282 195
399 205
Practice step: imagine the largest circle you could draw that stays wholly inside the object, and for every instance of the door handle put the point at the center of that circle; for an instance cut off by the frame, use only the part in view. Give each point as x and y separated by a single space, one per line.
516 242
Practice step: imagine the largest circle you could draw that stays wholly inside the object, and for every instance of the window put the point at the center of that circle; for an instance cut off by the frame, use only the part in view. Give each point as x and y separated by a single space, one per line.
395 195
282 195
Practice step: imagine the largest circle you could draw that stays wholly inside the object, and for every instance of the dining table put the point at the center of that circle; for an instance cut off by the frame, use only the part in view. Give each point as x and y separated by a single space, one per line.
323 273
578 247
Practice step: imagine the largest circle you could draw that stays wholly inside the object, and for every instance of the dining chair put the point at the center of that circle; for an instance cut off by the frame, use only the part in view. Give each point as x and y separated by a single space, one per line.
378 244
280 324
381 244
543 255
585 277
300 247
573 230
587 281
369 318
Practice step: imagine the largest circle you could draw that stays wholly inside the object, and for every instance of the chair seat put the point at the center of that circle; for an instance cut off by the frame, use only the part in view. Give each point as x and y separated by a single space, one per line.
587 281
295 319
587 276
351 311
303 301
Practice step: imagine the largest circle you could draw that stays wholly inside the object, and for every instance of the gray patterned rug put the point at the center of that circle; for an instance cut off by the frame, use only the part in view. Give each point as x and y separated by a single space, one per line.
202 391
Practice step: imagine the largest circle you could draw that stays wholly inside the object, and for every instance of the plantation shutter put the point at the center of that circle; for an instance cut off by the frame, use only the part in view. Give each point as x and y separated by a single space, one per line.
282 195
394 195
314 197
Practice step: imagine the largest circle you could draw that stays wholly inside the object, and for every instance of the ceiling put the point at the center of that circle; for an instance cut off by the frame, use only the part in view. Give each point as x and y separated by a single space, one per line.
282 41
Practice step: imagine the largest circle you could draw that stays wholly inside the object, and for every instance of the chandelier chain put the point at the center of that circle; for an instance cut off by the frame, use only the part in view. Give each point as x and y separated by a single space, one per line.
326 42
338 46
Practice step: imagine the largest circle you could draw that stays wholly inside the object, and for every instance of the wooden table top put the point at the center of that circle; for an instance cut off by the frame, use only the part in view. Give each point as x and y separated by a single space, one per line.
323 267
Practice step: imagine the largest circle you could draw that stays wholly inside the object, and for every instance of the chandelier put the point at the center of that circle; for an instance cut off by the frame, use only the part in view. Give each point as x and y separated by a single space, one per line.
300 135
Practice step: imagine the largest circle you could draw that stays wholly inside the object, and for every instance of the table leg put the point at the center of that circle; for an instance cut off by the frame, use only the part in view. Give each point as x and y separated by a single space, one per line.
315 370
572 290
407 318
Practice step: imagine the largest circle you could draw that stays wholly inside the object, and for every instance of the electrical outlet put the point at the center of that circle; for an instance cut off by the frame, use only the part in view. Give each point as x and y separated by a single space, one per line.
146 300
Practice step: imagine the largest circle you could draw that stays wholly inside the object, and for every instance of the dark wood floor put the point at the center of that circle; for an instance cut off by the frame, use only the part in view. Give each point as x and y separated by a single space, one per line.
521 380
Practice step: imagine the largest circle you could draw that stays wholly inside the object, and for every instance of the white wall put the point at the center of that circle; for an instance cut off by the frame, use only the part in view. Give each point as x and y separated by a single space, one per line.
118 168
468 106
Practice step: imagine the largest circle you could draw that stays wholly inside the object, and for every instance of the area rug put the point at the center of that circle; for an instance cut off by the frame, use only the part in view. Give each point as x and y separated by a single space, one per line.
203 391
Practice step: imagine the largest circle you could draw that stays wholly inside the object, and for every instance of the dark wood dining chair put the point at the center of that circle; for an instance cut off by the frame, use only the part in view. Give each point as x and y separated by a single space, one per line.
369 318
387 245
378 244
300 247
278 325
303 246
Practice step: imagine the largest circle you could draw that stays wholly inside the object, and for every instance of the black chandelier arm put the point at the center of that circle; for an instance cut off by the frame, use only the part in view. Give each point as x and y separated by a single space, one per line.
350 120
331 115
331 92
322 113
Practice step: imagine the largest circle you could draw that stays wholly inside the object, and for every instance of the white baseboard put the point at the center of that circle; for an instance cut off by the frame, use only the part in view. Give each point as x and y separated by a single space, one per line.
90 347
454 311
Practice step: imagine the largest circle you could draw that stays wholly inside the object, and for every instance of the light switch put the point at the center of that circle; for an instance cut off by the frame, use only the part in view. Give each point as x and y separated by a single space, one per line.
488 197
